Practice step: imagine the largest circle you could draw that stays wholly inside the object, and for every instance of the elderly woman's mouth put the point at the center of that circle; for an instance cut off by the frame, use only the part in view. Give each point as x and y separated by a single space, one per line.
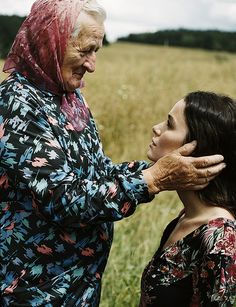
78 74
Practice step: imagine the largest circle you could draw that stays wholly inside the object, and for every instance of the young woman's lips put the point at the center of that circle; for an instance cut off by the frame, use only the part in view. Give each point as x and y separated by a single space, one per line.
153 142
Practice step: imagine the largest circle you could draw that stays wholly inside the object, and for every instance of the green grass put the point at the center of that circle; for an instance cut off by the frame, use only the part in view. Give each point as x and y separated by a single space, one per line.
133 88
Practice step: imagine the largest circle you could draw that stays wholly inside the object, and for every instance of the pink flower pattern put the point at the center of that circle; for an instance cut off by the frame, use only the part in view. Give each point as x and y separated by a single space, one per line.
207 256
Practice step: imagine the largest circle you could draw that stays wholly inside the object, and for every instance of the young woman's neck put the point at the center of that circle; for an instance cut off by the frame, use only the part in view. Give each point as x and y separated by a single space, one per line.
195 208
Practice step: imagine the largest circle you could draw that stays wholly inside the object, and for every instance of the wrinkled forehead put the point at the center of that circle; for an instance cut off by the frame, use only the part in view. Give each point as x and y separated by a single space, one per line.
54 20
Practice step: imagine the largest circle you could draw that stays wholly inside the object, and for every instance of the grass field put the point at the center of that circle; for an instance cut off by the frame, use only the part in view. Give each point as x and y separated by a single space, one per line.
133 88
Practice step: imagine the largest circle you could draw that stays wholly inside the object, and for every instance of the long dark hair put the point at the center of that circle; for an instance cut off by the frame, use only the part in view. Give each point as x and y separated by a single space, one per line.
211 120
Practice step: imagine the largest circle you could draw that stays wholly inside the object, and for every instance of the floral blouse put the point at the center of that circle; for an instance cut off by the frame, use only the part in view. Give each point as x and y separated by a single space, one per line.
59 196
197 271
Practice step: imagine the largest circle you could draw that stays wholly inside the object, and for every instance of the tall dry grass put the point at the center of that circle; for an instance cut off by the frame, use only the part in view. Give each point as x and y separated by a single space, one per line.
133 88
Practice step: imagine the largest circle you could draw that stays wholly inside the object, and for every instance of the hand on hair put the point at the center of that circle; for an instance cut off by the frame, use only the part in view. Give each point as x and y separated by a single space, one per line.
179 171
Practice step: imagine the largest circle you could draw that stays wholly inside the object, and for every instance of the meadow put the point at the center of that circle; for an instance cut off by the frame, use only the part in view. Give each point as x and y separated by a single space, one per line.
133 88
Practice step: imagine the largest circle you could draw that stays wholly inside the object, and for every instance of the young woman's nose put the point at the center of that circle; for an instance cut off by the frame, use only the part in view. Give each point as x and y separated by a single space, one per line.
157 130
90 62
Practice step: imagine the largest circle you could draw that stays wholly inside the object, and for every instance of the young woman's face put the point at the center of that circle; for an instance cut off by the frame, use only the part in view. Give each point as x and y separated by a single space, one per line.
170 134
80 56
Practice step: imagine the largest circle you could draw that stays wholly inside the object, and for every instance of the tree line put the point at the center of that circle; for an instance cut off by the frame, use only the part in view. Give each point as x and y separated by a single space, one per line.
9 26
204 39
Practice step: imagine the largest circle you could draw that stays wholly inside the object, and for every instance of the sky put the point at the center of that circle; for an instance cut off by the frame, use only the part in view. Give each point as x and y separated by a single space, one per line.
137 16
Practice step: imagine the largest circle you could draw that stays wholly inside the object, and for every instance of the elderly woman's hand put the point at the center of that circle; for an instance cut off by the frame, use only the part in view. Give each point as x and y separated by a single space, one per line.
177 171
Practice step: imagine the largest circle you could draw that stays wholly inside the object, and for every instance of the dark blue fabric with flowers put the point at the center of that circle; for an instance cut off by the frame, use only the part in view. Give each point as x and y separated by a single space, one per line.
59 197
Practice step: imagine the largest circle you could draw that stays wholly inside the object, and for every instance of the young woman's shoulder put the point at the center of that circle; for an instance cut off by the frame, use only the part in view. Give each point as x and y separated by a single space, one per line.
219 237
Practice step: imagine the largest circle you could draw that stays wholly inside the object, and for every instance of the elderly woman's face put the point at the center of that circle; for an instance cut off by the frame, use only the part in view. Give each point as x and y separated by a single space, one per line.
80 55
170 134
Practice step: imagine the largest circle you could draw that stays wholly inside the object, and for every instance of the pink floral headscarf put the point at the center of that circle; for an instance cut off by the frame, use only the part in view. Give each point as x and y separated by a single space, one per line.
39 48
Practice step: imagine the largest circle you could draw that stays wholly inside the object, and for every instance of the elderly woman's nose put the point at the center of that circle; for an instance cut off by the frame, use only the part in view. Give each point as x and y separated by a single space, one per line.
90 62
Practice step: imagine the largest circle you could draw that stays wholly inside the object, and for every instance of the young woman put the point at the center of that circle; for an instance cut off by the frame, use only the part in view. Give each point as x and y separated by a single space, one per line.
195 264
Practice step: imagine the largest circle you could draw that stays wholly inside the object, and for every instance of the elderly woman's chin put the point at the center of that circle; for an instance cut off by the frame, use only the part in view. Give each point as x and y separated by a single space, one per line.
72 83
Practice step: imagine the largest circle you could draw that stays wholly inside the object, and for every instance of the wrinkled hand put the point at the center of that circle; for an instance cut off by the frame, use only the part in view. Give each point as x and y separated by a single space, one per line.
179 171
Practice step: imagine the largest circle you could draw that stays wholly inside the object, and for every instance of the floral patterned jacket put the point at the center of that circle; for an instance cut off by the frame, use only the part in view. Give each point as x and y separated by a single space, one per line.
197 271
59 196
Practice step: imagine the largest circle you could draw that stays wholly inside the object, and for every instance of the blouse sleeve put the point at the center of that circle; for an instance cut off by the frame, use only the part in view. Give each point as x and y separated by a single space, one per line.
40 170
124 167
125 171
216 278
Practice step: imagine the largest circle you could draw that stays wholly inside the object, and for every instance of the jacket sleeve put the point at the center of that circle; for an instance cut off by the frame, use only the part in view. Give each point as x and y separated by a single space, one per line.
40 170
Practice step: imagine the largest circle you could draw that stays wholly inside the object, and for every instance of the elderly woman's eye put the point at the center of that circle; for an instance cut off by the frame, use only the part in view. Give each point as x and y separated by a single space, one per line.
81 52
90 50
84 52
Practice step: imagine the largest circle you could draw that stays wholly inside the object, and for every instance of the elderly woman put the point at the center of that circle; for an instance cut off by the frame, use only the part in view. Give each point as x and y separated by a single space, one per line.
59 193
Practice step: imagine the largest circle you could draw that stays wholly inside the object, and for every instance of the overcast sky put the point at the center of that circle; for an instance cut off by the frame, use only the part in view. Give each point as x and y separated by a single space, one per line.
135 16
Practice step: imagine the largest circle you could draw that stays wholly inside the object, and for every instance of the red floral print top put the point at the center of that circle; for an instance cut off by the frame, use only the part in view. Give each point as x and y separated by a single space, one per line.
198 270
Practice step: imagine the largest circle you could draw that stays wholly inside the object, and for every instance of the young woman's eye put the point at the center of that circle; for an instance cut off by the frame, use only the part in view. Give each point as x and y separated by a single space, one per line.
169 124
